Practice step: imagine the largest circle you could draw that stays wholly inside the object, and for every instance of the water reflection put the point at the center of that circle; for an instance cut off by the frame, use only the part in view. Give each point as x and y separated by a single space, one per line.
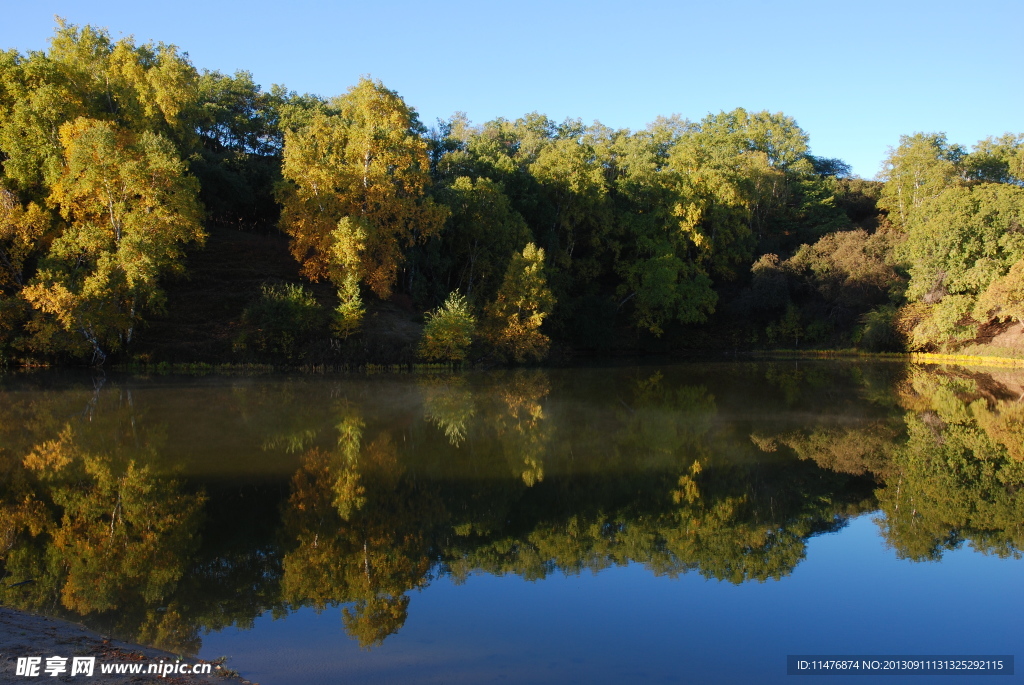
957 477
88 527
158 510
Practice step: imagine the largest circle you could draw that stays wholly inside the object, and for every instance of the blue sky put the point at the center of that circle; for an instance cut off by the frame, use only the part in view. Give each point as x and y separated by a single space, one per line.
855 75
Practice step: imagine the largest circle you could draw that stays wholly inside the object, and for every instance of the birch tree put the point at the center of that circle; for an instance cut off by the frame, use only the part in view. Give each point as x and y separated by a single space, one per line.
354 196
129 207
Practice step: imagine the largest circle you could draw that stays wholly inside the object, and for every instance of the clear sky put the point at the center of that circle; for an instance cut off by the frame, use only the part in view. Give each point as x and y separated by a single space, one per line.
855 75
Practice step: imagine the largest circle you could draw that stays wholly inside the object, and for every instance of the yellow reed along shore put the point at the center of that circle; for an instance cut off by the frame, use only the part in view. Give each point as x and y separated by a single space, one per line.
970 360
913 357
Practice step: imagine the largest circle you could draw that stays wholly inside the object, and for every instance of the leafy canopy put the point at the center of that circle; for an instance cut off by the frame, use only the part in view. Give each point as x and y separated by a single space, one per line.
129 208
363 159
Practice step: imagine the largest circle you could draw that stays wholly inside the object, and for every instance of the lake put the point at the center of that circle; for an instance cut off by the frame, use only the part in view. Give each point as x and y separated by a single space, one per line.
692 523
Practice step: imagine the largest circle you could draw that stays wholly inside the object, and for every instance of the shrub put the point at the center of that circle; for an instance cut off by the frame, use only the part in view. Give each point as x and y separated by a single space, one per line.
448 332
878 332
1004 297
283 316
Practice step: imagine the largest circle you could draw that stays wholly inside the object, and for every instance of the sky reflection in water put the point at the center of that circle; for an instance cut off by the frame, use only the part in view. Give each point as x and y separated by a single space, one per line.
625 625
640 524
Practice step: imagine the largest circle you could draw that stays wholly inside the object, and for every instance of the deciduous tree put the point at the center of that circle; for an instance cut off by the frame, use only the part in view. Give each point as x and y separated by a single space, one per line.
1004 297
523 302
449 330
130 207
355 186
921 167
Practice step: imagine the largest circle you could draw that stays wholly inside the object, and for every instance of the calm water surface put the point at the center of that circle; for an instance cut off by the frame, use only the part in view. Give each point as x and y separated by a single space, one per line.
642 524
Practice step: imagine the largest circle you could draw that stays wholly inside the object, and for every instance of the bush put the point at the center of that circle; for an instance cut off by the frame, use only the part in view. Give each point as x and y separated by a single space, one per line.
448 332
282 318
945 321
878 332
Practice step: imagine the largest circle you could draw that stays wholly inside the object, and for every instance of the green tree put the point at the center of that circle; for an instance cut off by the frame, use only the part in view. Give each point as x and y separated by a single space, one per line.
921 167
996 160
481 232
1004 297
787 328
734 171
241 136
963 238
555 177
576 220
657 265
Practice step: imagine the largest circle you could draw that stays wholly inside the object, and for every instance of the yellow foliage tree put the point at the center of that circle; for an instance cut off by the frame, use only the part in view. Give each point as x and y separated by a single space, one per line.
523 302
449 331
354 195
21 230
130 206
22 233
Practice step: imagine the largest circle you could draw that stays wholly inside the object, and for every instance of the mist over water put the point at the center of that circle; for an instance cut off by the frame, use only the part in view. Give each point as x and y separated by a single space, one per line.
643 523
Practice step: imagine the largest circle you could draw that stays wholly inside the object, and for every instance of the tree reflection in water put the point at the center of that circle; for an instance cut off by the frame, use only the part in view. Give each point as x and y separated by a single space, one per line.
94 527
377 487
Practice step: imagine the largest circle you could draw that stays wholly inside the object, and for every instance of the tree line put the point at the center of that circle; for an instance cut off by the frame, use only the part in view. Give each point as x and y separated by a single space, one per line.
512 235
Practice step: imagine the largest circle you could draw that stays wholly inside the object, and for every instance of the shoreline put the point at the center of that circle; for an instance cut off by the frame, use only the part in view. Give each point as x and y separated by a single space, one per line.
24 634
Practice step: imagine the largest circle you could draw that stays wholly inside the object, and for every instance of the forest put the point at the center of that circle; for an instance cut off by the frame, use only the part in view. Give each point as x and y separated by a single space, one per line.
154 212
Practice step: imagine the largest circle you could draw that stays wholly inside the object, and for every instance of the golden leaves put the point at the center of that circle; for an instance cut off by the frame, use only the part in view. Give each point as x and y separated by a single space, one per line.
130 205
52 455
523 302
21 232
365 165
